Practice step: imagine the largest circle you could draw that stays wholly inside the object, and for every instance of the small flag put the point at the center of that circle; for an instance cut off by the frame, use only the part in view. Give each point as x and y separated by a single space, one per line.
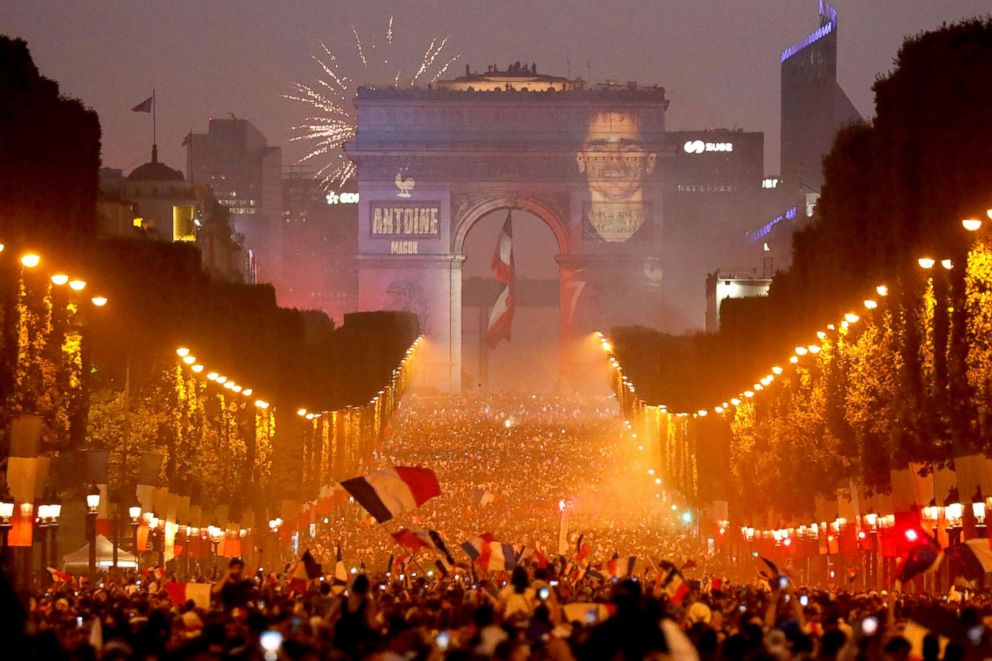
180 593
416 539
144 106
391 491
188 140
298 578
490 554
689 564
501 317
776 572
617 567
442 568
58 576
312 567
674 583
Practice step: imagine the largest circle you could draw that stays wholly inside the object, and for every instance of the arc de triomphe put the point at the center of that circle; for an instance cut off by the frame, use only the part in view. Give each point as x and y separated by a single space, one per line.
432 162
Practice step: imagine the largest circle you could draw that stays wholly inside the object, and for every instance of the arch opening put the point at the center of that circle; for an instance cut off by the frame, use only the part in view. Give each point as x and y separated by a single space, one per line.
529 362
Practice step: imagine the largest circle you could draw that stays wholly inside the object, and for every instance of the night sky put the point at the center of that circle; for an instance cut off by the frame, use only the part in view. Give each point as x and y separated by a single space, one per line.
718 60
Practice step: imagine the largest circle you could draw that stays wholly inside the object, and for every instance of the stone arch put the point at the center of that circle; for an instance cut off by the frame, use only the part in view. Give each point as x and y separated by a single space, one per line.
550 217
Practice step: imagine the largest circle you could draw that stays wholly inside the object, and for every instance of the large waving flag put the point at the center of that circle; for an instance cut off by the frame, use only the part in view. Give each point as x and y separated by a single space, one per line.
490 554
392 491
501 317
923 558
416 539
971 559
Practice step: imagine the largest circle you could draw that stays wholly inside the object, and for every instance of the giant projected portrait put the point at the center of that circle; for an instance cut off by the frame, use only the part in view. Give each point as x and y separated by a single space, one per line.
616 164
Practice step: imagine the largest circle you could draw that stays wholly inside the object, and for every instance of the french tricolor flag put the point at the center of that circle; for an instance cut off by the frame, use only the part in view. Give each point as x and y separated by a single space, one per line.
392 491
416 539
490 554
501 317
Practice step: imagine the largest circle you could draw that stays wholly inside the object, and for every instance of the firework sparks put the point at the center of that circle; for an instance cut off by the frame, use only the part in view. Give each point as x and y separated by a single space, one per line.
331 122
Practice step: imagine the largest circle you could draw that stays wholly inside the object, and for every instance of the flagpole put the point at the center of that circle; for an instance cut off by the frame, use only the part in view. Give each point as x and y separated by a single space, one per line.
154 127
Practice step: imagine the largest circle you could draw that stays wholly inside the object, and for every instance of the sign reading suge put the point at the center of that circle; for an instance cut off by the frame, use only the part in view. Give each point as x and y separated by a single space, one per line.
405 219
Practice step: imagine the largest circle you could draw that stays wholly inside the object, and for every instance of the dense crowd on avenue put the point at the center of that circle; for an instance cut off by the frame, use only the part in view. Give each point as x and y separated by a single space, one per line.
506 465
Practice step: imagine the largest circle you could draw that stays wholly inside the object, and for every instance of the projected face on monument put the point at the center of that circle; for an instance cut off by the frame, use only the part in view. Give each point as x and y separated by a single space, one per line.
616 164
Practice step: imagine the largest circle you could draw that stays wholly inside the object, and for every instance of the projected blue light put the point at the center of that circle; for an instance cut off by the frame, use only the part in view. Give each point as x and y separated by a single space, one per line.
828 23
766 229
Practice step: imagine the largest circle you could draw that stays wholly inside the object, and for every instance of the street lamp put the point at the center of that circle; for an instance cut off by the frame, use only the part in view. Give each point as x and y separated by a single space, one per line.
871 520
953 511
926 262
93 505
54 512
6 513
214 533
972 224
978 510
134 511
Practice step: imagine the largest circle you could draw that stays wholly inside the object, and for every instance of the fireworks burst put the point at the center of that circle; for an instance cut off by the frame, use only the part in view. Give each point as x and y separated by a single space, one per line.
332 121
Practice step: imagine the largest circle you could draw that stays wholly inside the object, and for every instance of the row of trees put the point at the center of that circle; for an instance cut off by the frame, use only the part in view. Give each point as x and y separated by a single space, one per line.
911 383
105 378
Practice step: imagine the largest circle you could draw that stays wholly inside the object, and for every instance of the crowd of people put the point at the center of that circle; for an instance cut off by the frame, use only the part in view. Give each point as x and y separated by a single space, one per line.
529 613
521 469
507 465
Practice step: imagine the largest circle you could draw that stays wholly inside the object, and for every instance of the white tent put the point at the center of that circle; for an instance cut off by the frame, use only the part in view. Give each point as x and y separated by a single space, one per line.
80 558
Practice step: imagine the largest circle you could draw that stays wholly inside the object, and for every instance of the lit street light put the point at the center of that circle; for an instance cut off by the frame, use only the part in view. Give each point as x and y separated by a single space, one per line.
93 506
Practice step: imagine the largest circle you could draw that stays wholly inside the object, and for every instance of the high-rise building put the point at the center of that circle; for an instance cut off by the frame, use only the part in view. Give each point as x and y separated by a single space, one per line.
716 196
814 106
319 239
234 159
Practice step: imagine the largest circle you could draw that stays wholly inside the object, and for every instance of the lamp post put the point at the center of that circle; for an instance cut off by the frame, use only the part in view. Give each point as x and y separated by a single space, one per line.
214 532
134 511
274 525
6 513
978 511
93 506
954 511
54 512
871 520
931 514
41 526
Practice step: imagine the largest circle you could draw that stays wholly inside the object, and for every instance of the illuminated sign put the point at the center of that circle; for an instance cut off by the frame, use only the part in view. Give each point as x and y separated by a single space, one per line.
770 182
403 248
405 219
699 147
342 198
